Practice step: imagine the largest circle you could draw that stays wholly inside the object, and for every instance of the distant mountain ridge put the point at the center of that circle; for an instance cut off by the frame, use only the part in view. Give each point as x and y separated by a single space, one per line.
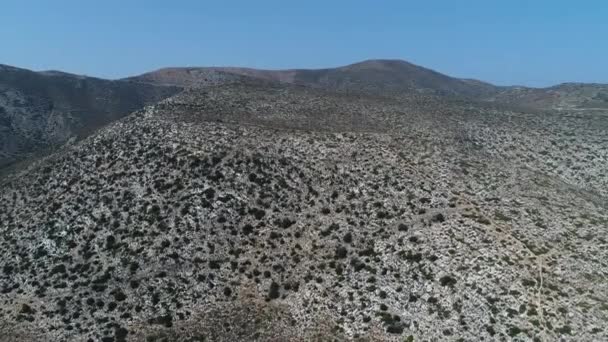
378 77
393 78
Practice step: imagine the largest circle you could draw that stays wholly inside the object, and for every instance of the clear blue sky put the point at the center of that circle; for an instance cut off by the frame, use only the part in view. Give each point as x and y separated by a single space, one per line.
531 42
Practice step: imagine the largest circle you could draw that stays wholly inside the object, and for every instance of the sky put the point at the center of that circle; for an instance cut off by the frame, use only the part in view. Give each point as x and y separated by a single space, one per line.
514 42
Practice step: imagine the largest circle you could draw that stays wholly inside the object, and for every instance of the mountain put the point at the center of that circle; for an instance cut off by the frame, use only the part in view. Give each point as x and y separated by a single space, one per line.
42 110
379 77
276 212
394 78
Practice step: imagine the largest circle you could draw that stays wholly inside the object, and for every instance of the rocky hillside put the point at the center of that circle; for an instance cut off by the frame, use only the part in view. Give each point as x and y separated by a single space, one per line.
231 213
41 110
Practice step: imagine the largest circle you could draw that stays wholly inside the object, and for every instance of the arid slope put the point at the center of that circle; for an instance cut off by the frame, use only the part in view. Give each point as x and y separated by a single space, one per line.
222 214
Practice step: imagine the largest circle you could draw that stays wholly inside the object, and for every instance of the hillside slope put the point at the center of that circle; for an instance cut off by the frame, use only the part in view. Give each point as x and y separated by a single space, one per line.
39 111
220 215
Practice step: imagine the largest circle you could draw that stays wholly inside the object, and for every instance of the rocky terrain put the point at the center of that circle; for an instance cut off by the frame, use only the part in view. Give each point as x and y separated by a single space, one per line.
259 211
40 111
